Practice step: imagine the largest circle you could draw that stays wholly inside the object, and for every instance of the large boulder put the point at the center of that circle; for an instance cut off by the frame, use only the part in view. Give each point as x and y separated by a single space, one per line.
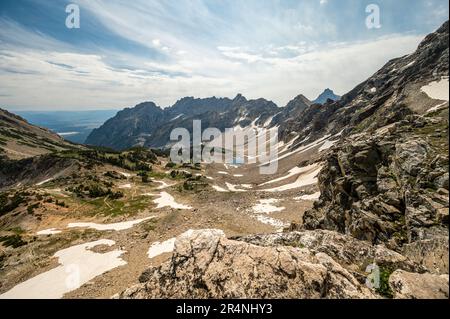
205 264
407 285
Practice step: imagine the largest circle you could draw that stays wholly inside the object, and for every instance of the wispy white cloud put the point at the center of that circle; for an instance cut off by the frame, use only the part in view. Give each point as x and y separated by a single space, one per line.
204 48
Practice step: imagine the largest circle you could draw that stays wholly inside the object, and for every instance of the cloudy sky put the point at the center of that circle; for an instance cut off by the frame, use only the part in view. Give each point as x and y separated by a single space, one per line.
126 52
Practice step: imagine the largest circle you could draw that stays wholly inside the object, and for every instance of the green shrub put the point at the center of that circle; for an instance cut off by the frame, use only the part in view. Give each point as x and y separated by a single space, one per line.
14 241
384 289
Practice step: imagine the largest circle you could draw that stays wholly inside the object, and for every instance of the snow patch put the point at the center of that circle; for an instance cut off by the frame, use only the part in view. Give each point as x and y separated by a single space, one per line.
313 197
115 226
294 171
305 179
437 90
167 200
51 231
266 206
233 188
44 182
177 117
219 189
78 265
159 248
127 175
437 107
272 222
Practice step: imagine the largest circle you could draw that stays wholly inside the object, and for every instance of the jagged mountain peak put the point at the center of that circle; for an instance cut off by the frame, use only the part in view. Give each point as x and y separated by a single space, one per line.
326 95
239 99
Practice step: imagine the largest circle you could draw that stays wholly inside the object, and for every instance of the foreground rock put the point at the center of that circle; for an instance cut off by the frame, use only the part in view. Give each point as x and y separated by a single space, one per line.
355 255
418 286
205 264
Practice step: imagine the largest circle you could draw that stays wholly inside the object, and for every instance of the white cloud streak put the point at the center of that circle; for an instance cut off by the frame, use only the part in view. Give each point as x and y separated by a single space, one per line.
213 58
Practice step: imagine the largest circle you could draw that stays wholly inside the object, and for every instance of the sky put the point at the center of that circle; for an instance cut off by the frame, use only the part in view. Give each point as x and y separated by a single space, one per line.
127 52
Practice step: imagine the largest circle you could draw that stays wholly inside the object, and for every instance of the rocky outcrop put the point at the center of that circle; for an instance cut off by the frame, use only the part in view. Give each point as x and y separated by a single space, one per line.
387 180
407 285
205 264
355 255
387 187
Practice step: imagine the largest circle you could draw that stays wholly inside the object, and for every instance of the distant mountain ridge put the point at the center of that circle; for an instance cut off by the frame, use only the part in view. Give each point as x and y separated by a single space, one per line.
149 125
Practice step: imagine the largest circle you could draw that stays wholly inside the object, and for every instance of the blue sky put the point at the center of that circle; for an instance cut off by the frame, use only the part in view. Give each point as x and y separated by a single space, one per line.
127 52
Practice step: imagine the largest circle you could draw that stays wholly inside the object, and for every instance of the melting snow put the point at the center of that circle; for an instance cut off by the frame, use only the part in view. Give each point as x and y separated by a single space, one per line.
222 173
437 90
159 248
301 149
289 144
167 200
314 196
177 117
219 189
125 186
44 182
115 226
163 184
409 65
51 231
295 171
437 107
265 206
305 179
272 222
233 188
78 265
327 145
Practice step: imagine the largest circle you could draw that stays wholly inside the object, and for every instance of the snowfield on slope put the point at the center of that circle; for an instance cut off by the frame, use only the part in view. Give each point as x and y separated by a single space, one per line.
437 90
159 248
167 200
305 179
115 226
266 206
78 265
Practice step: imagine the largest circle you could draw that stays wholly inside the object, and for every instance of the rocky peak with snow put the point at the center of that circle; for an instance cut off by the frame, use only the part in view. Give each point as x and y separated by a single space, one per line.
326 95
